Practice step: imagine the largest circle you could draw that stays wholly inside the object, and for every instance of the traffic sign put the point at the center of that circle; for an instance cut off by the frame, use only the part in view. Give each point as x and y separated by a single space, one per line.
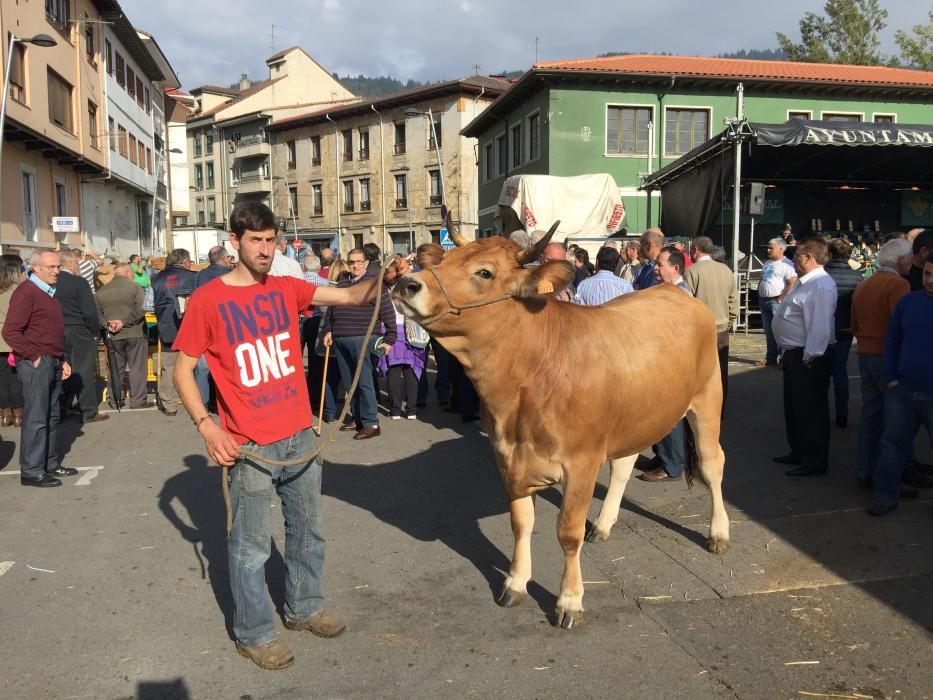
446 243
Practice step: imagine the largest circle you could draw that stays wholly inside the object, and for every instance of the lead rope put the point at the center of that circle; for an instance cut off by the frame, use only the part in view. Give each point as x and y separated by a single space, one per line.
306 460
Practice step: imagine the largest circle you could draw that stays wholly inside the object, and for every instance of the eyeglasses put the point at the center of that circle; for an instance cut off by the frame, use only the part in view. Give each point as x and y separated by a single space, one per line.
50 267
356 262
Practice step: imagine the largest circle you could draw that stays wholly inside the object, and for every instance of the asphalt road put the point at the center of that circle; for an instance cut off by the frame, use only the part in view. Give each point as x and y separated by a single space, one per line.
114 586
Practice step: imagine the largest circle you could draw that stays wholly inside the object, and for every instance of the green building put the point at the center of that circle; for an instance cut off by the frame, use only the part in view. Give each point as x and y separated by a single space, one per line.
630 116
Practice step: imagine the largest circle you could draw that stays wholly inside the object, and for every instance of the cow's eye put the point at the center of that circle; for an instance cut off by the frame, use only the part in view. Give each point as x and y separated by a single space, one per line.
485 274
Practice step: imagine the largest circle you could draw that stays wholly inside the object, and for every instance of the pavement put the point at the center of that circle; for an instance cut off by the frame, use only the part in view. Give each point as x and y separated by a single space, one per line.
114 586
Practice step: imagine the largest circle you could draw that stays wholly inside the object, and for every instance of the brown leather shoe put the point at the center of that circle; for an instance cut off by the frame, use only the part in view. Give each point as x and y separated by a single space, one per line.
658 474
18 417
97 418
367 433
272 656
346 427
323 625
6 417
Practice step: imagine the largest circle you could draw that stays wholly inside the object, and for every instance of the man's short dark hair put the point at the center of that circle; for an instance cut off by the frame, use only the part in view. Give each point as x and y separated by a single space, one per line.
327 260
179 256
252 216
674 257
703 244
923 240
216 254
371 252
607 258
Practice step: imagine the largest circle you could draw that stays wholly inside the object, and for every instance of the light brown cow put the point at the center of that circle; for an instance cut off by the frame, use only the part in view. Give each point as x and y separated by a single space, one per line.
566 387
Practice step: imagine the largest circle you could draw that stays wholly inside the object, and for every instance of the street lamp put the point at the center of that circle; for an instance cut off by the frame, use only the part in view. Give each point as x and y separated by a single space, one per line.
411 231
41 40
291 209
155 193
413 112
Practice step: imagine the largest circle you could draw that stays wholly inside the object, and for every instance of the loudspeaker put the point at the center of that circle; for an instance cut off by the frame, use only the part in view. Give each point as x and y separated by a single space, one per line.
756 199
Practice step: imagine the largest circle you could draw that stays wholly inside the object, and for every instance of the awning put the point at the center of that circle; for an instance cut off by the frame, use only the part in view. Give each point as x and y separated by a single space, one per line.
830 153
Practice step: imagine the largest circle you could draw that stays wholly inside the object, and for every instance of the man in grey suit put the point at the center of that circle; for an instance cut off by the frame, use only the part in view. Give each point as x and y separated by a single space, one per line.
120 306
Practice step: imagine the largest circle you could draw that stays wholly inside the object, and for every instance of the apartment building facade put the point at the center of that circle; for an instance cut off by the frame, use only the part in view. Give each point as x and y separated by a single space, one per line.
229 151
374 172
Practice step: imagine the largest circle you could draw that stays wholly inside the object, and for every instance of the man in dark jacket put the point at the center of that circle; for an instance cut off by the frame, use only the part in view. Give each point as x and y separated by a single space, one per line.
219 258
82 329
171 289
120 306
846 280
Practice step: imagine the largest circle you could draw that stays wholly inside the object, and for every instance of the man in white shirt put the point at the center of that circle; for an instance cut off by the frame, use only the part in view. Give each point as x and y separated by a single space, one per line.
604 285
804 327
282 265
778 277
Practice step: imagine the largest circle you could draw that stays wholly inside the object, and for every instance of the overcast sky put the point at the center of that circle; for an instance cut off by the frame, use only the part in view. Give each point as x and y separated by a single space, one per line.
214 41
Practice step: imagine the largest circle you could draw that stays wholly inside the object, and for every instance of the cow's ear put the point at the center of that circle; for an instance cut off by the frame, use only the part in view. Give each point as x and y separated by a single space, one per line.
549 278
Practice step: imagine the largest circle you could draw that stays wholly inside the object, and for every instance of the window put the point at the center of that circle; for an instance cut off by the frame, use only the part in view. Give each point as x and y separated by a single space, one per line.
210 175
884 118
317 199
149 160
89 48
684 129
348 144
60 111
627 130
130 82
365 201
315 150
122 139
841 117
399 138
197 143
436 131
200 209
199 177
58 12
93 129
534 136
211 210
517 145
112 133
798 114
436 195
290 146
30 196
357 240
141 149
121 70
148 102
18 72
293 201
502 155
61 198
348 195
134 150
108 56
364 144
488 165
401 191
139 92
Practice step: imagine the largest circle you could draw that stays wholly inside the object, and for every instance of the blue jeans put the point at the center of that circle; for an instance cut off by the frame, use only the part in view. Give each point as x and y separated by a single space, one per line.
363 403
767 309
671 450
250 543
42 390
871 423
202 375
841 373
904 412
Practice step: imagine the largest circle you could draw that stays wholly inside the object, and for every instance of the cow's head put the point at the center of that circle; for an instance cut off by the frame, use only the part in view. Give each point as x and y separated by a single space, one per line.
454 289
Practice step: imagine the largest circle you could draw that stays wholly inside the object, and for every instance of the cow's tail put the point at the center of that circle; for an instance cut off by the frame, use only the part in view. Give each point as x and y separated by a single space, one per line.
691 457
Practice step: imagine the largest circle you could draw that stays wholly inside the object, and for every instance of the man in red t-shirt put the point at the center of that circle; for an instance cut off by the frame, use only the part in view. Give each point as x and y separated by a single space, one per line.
245 324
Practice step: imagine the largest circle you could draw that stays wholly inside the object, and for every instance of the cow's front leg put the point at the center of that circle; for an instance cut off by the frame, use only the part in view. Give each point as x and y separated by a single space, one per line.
515 588
620 470
571 526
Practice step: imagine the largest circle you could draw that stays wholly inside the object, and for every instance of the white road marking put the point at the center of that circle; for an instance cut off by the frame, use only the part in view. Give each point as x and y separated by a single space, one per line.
45 571
5 566
89 474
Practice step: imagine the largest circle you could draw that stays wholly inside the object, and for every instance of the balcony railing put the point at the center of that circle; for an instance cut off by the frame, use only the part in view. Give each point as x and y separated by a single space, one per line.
401 204
364 154
316 160
432 144
436 200
254 139
366 206
318 211
399 148
348 155
348 206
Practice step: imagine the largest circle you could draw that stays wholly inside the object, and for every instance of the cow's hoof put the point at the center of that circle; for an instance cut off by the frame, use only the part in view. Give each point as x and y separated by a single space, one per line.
593 535
718 546
509 598
566 619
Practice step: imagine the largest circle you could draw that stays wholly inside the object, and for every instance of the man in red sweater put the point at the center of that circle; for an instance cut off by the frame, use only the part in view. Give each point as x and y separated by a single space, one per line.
35 331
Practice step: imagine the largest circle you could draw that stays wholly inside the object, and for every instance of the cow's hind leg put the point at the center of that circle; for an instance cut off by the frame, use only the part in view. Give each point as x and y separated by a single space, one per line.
514 590
704 417
620 470
571 525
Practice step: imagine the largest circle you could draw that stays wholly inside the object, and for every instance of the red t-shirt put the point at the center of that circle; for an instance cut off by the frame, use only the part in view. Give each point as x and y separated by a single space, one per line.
252 342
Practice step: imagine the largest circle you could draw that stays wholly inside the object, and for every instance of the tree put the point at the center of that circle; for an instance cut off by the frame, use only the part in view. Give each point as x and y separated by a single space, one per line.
848 33
917 51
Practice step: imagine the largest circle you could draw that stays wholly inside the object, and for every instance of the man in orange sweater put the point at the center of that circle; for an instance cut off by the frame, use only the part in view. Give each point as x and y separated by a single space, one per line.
873 302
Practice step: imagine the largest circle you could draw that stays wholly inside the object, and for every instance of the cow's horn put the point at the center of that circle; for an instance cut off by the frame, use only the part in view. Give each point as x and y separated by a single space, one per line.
454 232
533 253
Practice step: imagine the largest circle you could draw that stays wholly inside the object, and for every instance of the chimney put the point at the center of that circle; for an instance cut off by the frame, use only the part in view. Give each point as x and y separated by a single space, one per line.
244 82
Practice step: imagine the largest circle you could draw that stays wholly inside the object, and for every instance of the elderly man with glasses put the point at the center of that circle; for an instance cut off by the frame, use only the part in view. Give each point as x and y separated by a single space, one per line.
345 329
